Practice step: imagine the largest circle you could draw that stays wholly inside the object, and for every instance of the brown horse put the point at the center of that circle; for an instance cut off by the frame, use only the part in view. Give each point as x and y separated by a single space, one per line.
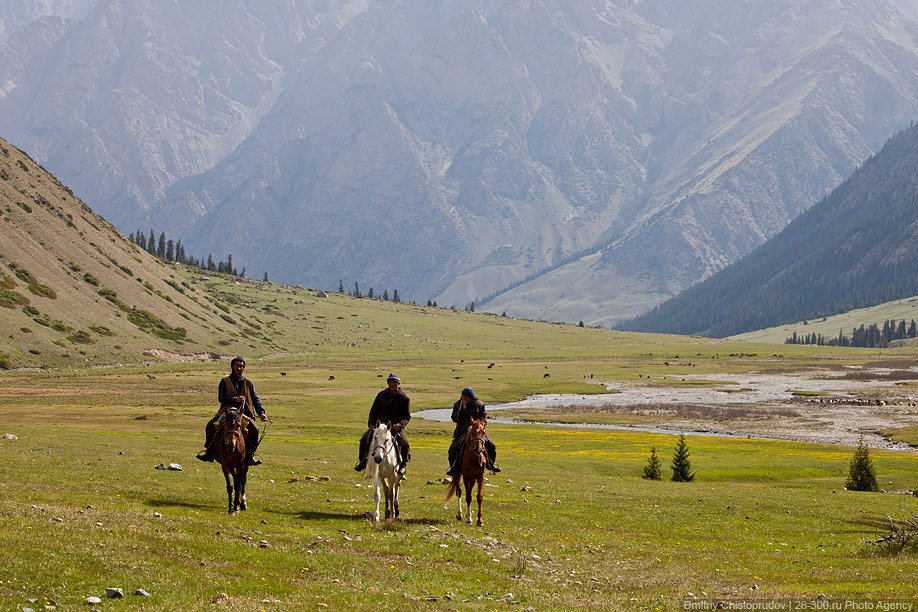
231 455
472 465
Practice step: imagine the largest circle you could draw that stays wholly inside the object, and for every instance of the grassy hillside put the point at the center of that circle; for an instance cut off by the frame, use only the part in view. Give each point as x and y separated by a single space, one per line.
829 326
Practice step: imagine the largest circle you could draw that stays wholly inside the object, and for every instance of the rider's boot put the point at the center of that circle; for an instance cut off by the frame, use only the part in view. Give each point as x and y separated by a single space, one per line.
251 459
493 466
453 469
204 455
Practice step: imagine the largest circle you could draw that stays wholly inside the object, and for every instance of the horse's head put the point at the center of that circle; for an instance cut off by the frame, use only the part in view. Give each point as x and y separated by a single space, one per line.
381 442
476 436
233 423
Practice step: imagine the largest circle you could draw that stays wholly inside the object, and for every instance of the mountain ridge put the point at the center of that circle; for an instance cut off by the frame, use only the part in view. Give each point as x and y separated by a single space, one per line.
856 248
454 150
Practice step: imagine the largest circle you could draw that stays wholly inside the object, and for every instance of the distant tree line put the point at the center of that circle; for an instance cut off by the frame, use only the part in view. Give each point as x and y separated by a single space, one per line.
170 250
370 294
870 336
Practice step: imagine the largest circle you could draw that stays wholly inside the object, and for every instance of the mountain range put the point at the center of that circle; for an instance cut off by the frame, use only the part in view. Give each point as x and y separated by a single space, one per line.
557 160
857 247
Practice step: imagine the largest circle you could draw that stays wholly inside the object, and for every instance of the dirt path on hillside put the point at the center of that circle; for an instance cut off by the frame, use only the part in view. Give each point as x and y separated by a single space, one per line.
813 406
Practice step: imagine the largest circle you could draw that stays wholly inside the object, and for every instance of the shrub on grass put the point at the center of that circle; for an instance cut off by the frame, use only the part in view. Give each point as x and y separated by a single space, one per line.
682 467
861 474
653 469
5 363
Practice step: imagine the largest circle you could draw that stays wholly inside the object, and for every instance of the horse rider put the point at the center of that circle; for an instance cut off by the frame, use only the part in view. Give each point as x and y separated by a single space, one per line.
391 405
236 391
466 408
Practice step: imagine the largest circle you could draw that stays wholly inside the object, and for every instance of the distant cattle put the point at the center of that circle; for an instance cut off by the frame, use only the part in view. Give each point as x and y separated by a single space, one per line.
490 365
331 378
546 375
283 373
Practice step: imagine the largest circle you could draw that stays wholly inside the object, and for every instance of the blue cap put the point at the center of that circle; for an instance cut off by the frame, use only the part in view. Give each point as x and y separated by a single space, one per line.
469 392
394 377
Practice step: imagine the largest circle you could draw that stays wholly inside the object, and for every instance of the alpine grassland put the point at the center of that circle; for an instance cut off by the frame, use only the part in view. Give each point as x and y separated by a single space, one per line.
569 523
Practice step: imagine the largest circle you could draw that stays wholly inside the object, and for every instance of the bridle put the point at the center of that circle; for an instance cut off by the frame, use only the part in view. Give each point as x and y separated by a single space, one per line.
386 444
232 427
476 443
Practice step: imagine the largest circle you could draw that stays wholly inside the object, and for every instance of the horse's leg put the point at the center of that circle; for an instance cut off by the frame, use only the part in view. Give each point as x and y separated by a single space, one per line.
395 489
229 490
458 479
376 495
387 491
469 484
245 477
478 498
236 483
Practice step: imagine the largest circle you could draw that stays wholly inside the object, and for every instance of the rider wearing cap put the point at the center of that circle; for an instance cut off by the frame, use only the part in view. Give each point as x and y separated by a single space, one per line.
391 405
468 407
236 391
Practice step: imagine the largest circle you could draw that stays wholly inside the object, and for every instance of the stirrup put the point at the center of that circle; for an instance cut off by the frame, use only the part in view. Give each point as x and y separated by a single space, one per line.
360 466
402 468
493 467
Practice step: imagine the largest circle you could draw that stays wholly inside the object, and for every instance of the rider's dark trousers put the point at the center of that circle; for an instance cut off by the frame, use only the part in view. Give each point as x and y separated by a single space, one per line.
400 437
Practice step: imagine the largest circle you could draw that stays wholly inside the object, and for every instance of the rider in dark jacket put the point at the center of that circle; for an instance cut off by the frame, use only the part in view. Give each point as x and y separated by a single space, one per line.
391 405
464 410
238 391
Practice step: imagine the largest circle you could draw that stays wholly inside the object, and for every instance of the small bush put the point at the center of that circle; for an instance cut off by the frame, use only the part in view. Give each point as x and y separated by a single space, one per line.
861 474
653 471
682 467
31 311
11 299
92 280
81 337
5 363
43 291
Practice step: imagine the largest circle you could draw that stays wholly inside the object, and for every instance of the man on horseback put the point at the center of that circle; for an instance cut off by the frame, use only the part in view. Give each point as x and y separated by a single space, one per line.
235 390
391 405
464 410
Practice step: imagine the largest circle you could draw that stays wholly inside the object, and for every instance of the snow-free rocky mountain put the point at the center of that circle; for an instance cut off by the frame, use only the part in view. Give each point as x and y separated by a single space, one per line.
554 159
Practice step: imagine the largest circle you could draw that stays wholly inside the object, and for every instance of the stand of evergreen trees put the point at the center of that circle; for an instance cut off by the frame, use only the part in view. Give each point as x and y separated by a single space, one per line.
370 294
864 336
169 250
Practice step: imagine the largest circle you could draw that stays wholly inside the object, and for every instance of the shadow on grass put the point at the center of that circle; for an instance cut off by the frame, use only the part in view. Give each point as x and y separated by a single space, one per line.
172 503
363 517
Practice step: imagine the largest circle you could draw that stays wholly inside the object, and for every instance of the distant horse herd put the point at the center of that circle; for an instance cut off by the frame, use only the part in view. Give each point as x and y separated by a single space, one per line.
383 469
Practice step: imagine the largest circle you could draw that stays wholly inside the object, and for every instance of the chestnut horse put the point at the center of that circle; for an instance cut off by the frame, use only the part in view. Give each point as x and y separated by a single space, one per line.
472 463
231 455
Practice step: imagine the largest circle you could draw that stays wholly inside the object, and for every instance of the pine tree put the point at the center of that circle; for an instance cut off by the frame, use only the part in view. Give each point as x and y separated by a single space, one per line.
395 296
682 467
653 469
341 286
861 475
357 293
161 248
265 279
170 250
151 244
370 293
385 295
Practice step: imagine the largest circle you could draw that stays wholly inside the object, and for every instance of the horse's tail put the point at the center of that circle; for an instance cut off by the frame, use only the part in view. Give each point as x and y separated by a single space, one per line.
455 488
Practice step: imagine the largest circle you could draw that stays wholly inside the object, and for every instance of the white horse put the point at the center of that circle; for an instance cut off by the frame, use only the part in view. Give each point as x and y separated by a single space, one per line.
384 469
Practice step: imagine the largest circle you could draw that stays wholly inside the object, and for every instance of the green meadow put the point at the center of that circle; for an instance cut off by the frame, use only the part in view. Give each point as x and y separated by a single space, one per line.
568 524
